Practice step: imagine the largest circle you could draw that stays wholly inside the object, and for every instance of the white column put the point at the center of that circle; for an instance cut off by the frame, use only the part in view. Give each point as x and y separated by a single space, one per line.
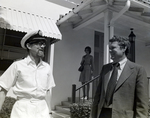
50 59
52 56
108 32
111 31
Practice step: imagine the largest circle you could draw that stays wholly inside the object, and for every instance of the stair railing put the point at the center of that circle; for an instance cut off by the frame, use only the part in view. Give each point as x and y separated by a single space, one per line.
74 89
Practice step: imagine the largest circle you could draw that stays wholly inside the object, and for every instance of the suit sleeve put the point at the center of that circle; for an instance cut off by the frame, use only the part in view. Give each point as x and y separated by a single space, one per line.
141 94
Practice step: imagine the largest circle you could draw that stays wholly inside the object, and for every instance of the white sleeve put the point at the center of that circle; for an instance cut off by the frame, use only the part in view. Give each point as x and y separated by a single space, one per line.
51 82
8 78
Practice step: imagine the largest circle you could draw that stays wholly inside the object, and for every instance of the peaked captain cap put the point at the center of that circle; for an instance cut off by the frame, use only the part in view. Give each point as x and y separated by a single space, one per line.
30 36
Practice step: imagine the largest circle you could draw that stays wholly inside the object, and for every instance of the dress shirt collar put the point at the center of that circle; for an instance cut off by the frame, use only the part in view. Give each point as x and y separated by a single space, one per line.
122 63
29 60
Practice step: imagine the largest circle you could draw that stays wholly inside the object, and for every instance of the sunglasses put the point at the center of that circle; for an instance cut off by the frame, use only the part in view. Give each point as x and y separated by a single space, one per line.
39 43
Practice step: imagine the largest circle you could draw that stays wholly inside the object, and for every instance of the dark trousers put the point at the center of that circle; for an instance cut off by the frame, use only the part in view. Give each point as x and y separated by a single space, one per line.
106 113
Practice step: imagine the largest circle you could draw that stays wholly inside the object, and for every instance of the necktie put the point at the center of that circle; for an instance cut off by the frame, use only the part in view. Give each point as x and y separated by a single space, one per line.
112 84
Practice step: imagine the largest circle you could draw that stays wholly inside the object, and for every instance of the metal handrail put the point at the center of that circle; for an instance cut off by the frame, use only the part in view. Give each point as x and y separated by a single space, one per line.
88 82
74 90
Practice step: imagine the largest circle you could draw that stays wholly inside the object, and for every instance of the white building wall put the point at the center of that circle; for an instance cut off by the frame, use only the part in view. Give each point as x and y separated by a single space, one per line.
68 54
143 55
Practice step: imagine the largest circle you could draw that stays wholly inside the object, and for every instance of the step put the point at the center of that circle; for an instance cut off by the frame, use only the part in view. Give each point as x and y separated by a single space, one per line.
66 103
58 114
70 99
63 109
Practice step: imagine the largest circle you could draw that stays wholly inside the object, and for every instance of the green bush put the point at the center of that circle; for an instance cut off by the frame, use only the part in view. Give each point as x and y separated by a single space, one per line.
7 107
80 110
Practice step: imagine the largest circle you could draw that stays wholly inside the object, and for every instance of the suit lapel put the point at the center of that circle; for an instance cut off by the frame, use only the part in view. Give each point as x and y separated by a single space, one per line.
127 71
107 75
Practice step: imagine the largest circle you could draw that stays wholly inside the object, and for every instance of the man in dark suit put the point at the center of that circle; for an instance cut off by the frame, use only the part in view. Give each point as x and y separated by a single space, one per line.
127 96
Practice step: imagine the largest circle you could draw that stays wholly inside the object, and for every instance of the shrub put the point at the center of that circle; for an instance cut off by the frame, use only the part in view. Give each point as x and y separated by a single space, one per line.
7 107
80 110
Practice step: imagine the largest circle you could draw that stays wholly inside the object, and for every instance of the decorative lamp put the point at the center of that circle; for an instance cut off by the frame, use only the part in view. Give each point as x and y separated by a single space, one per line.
132 36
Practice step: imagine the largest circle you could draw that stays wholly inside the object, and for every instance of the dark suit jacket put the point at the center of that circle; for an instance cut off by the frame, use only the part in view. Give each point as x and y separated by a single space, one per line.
130 99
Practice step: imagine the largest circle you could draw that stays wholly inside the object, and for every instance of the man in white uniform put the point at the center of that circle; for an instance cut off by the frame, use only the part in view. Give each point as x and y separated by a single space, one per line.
30 78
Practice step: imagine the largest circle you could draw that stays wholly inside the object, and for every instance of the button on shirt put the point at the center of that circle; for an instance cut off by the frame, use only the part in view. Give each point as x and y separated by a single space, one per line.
28 79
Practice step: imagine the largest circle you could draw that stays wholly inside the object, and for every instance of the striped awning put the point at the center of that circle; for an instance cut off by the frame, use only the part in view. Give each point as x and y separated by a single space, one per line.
22 21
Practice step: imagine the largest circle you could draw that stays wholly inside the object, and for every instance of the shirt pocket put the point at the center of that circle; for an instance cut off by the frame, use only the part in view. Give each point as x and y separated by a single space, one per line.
43 81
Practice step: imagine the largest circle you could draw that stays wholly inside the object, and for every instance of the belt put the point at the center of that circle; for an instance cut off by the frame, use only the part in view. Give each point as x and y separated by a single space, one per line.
30 99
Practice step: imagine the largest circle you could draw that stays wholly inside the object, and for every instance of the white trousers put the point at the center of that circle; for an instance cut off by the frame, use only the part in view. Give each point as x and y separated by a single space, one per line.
30 108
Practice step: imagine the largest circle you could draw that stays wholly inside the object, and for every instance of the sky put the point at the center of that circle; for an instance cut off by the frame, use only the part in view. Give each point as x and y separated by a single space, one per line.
67 3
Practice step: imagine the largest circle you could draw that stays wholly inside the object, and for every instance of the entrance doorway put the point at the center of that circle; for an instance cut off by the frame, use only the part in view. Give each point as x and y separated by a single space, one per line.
98 55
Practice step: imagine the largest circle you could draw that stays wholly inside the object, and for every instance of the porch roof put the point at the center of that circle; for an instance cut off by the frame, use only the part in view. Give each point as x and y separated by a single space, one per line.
23 22
90 14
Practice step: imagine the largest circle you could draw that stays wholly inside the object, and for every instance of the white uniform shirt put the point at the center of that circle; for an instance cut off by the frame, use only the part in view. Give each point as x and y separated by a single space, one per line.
28 79
30 83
